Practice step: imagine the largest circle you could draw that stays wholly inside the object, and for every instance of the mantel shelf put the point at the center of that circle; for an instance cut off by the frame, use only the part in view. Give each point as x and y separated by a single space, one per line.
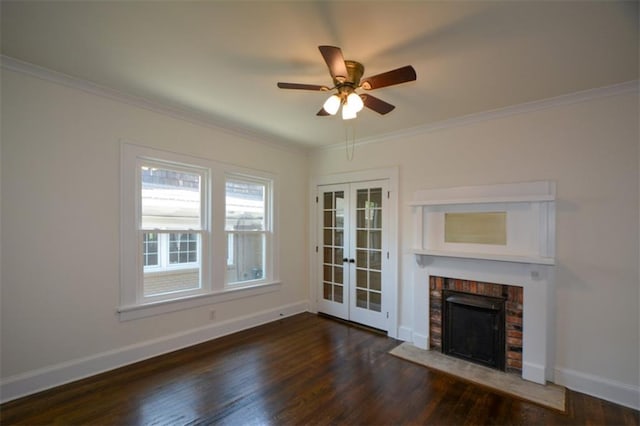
484 200
486 256
524 192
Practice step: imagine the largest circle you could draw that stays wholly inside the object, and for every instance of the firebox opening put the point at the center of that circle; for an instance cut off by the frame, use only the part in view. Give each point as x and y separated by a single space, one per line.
474 328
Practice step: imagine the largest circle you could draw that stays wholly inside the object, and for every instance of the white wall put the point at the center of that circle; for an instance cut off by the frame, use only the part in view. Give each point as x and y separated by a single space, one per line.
60 224
590 148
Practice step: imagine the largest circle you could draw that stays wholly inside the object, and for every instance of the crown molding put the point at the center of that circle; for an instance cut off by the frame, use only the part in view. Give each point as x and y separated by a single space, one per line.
236 129
11 64
527 107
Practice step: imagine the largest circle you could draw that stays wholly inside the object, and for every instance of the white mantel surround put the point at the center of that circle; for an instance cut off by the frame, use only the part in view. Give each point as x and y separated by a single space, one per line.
526 260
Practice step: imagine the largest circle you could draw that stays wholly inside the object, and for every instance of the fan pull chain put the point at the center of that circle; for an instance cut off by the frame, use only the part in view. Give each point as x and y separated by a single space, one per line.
351 125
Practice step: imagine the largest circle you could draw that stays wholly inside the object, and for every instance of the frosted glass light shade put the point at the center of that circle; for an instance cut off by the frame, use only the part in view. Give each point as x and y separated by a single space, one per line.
355 102
332 104
348 113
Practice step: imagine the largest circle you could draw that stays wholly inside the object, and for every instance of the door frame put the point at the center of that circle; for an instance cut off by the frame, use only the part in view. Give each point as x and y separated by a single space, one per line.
389 174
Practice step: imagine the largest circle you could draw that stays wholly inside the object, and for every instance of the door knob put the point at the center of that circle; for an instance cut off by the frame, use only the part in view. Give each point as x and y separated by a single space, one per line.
352 261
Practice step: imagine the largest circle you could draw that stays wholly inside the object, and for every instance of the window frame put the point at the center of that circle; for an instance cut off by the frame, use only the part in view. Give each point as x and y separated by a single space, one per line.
267 232
203 229
212 253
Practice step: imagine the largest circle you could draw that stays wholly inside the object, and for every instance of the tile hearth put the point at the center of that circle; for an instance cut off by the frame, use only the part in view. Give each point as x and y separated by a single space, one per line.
549 395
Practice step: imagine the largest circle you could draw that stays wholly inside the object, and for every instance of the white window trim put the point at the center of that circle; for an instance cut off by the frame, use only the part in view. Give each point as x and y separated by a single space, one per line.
214 267
267 232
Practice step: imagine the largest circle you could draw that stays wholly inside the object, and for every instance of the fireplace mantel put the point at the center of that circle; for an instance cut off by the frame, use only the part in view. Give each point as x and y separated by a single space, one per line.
525 259
530 213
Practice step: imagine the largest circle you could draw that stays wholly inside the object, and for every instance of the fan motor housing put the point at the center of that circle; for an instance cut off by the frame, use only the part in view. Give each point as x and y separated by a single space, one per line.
355 70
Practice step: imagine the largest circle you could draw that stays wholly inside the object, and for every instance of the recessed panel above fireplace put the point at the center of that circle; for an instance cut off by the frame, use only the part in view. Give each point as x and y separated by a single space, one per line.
476 228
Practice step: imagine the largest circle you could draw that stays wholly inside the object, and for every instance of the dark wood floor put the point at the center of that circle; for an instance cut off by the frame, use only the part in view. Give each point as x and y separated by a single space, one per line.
304 369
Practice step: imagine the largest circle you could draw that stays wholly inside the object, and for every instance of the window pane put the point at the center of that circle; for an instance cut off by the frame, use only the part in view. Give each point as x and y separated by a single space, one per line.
248 252
376 219
183 248
150 249
363 196
375 260
328 237
374 280
375 301
327 291
361 259
375 240
338 256
328 200
361 239
361 278
245 206
361 299
339 209
328 273
230 258
328 255
328 219
337 293
337 274
170 198
171 281
180 269
376 197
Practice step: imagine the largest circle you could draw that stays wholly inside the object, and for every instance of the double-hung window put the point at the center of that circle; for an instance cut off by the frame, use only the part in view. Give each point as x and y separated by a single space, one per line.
180 216
248 228
172 229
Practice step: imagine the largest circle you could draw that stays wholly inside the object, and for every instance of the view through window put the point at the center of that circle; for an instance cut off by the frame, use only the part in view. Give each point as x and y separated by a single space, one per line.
247 227
170 205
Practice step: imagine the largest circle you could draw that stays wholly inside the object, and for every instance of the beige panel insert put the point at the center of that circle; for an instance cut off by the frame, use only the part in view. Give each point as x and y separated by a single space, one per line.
476 228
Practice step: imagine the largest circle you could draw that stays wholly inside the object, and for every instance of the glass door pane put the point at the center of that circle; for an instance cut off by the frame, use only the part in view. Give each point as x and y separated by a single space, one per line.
368 248
333 221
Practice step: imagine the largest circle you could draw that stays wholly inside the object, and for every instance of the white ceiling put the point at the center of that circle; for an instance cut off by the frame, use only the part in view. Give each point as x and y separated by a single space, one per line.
221 59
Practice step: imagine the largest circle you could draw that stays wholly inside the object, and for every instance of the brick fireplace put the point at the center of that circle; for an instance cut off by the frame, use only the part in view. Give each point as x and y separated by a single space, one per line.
516 264
513 317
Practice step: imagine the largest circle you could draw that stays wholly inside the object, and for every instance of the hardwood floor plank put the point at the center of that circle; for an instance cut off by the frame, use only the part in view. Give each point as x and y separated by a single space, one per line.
304 369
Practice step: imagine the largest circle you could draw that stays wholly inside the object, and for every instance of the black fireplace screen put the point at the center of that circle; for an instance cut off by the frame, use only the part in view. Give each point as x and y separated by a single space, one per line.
473 328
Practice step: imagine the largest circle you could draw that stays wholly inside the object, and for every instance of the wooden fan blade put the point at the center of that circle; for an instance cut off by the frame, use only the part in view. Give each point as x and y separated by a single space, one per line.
302 86
378 105
322 113
389 78
335 61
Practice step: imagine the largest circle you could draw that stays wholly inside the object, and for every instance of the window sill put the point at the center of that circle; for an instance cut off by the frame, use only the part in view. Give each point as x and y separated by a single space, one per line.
132 312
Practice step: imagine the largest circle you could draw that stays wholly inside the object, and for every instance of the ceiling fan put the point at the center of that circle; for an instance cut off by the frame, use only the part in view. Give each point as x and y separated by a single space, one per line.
346 77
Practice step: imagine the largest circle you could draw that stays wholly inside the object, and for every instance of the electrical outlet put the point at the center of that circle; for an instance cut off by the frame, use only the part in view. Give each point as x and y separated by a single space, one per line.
212 314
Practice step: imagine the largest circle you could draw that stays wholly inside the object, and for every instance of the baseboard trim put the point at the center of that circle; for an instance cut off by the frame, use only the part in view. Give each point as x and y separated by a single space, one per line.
420 341
534 373
45 378
609 390
405 334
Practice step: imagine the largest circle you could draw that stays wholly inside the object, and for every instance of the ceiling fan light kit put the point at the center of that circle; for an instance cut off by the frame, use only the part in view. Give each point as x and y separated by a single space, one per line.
347 77
348 113
332 104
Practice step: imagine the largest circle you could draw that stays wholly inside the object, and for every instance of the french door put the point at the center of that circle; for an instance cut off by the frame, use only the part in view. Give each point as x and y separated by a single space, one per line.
352 221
